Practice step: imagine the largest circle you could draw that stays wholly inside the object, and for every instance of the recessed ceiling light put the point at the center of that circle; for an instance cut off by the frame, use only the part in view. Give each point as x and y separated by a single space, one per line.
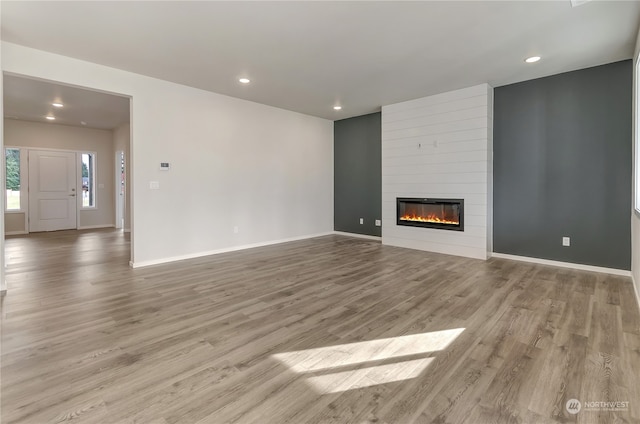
244 80
57 104
532 59
51 118
337 107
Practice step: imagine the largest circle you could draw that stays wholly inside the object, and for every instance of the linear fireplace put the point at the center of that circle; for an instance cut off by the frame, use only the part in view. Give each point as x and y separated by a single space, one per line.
446 214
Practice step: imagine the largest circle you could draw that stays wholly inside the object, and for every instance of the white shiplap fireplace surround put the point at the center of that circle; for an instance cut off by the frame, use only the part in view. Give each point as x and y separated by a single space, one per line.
440 146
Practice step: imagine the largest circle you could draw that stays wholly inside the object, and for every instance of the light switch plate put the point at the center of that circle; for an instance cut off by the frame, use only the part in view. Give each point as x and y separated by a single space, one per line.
378 223
154 185
566 241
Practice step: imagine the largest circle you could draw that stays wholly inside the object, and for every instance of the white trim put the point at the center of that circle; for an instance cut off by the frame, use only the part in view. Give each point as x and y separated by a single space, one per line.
15 233
581 267
635 289
91 227
364 236
636 137
223 250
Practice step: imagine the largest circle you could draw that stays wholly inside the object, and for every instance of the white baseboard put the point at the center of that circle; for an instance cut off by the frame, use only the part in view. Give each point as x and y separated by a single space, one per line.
364 236
223 250
16 233
581 267
93 227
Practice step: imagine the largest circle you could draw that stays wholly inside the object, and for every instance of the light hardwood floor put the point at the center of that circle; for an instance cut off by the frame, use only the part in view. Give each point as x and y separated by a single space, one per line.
326 330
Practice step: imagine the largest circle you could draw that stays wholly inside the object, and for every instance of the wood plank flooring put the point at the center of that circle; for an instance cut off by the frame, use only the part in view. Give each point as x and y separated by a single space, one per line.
327 330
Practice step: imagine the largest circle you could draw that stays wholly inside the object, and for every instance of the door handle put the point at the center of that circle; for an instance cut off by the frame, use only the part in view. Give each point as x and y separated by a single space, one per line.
72 195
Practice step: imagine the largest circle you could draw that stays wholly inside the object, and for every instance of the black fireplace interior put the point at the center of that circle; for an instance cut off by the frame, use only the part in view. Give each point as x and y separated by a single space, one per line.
446 214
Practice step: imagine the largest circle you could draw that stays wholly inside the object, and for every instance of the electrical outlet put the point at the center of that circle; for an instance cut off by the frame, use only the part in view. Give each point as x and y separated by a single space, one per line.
378 223
361 221
566 241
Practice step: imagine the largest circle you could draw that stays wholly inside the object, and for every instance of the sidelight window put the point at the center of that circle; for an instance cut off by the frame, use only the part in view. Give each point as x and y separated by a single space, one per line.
13 180
88 180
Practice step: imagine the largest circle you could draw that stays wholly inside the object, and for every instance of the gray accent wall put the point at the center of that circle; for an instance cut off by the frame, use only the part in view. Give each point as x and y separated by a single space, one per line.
357 174
562 167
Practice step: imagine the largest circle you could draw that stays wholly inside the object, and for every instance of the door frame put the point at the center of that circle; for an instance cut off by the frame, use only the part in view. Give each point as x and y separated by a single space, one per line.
78 186
42 76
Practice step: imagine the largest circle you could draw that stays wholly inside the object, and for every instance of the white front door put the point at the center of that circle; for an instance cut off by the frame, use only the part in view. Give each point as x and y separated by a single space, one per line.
52 190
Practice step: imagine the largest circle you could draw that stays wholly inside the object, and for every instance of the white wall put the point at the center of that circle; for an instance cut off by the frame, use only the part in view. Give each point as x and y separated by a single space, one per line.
440 146
36 135
233 163
635 219
122 142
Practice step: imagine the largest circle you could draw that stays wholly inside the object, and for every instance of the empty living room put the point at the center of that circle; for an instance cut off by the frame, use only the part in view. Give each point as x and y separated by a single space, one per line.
302 212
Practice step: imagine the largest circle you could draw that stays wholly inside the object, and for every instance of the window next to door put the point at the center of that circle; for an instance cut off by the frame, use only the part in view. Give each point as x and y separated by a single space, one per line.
15 182
88 180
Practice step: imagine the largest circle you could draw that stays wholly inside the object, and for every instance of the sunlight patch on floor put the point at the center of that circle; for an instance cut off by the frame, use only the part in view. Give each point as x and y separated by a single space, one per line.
350 366
369 376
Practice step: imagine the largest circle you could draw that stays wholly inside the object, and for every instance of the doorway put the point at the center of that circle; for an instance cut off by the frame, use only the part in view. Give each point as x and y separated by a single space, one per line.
61 140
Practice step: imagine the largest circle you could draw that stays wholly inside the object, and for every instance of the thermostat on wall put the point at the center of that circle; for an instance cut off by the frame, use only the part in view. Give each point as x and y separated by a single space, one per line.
164 166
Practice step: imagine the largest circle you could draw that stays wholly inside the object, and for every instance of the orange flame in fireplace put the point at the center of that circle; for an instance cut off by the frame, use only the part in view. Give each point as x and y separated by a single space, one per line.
428 218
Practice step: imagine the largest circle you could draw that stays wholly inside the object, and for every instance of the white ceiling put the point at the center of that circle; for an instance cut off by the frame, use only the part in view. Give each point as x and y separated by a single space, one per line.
309 56
31 100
